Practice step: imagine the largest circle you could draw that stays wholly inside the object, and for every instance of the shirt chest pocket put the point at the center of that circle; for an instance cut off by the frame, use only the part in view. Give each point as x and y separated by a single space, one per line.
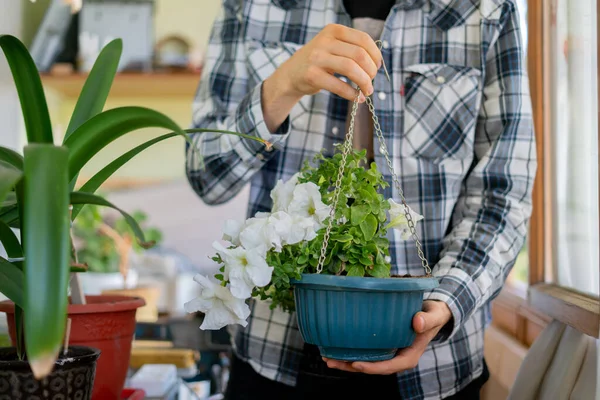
441 103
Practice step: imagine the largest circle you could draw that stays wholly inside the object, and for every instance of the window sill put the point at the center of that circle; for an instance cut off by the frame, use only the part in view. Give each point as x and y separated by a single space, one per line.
578 310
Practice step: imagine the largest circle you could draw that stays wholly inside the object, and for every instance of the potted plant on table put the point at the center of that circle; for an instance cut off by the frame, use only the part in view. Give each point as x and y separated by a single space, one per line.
39 200
106 246
323 252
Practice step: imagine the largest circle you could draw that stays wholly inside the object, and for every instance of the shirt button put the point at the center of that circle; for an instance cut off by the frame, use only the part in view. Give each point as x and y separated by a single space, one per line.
335 130
385 44
441 79
381 96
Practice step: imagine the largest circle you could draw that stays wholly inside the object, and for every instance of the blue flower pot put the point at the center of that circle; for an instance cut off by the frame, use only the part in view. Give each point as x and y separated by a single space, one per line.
358 319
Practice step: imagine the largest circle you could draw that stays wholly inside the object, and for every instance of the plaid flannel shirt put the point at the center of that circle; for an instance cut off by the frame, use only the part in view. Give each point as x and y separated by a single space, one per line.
457 121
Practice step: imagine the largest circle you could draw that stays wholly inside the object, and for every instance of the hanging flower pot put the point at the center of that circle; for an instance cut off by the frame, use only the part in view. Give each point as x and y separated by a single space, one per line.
358 319
323 251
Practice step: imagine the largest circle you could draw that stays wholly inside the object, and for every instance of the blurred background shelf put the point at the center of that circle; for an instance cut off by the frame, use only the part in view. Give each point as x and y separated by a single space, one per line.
130 84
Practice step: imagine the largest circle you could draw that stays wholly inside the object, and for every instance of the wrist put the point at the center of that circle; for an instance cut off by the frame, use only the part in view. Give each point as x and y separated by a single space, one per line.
278 97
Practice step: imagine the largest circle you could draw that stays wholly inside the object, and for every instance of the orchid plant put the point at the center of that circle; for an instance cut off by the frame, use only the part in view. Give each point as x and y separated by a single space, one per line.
264 253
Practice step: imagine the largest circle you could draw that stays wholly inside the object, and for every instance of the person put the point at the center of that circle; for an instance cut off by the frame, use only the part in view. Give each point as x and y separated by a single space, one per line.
456 116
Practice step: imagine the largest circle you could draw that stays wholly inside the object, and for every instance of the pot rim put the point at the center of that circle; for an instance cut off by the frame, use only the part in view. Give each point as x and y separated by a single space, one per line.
96 304
89 355
370 284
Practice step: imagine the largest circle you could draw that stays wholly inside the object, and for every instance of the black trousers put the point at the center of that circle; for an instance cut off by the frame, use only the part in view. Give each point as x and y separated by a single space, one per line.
316 381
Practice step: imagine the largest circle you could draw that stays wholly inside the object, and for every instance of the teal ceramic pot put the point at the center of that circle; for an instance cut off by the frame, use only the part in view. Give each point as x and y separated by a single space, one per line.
358 319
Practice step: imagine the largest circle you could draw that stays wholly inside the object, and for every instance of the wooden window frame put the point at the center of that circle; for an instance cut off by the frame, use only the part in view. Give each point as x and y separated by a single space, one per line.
523 314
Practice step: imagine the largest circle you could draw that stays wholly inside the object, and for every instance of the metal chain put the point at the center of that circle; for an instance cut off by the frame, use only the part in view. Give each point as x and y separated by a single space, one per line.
386 155
338 184
336 195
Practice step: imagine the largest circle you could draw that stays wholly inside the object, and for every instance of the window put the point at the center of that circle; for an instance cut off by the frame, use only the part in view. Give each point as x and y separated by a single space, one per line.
574 137
560 262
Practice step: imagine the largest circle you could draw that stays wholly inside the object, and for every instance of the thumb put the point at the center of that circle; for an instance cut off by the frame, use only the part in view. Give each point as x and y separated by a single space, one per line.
432 316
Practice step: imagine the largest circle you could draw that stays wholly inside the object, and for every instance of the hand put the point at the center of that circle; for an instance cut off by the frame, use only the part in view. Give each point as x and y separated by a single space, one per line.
427 324
336 49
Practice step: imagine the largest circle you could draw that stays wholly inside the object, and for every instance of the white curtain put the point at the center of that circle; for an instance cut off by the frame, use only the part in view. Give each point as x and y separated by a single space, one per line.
575 136
562 364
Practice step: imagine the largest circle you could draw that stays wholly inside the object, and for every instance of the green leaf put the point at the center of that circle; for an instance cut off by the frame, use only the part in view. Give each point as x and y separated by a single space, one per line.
380 271
9 176
366 261
30 90
19 327
369 227
359 213
10 216
97 86
102 129
11 281
9 201
356 270
12 157
101 176
88 198
342 238
46 243
10 241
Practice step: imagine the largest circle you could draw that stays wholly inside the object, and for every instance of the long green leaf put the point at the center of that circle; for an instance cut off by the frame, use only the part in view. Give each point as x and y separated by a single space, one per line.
101 176
97 86
12 157
9 200
10 242
9 176
11 281
10 216
95 134
46 243
30 90
88 198
19 325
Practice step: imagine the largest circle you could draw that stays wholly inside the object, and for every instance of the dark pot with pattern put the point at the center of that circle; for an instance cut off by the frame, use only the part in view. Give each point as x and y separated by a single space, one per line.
71 379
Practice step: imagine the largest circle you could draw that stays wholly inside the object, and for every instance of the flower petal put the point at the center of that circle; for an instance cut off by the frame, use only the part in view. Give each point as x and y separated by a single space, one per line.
231 231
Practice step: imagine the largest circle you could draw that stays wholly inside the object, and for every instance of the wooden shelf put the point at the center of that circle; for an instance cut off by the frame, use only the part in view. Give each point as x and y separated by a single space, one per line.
181 84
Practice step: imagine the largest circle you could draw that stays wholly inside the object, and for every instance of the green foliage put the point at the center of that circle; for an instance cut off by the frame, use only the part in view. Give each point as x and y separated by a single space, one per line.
358 245
99 251
36 191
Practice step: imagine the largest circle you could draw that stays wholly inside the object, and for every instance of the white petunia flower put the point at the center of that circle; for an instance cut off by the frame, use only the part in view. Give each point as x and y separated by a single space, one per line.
306 202
293 229
259 232
231 231
245 269
282 193
218 304
398 219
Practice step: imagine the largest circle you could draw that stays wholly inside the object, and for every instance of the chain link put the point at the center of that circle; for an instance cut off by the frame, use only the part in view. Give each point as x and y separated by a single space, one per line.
338 183
383 149
409 219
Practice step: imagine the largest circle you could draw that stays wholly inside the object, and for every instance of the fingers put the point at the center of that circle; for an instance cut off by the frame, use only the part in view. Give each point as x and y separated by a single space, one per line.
434 316
349 68
358 54
341 365
407 358
321 79
358 38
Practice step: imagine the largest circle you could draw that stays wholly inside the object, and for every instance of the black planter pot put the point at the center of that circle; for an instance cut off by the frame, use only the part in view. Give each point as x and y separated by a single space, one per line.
71 379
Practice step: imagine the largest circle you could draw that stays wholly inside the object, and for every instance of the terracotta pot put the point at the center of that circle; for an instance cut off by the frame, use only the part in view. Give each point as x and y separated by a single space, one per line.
106 323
